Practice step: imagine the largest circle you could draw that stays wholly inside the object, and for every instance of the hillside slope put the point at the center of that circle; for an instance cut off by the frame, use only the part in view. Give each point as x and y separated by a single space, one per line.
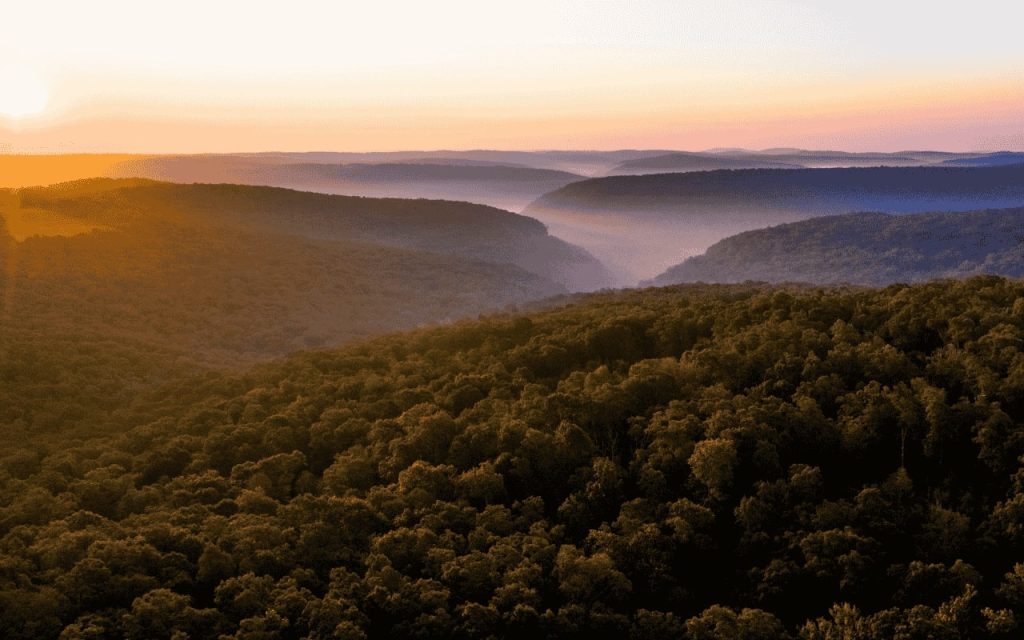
231 275
865 248
452 228
642 225
693 462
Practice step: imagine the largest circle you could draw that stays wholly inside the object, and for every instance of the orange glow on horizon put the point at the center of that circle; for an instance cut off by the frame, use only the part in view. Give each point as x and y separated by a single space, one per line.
555 75
20 170
868 118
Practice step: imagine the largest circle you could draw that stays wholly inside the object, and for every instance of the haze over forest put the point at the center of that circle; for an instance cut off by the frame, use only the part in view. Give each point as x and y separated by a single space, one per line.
548 319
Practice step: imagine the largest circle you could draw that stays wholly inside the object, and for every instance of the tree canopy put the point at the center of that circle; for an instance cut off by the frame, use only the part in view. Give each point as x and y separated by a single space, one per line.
694 462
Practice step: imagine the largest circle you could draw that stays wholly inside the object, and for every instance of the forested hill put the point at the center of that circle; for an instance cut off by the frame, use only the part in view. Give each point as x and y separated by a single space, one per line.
451 228
227 275
691 462
866 248
645 224
890 189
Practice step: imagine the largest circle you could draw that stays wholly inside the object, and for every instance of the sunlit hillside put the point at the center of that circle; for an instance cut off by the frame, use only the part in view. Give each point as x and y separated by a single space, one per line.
230 275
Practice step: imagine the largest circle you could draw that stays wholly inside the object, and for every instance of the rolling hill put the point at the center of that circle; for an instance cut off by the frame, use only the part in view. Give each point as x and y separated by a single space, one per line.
227 275
865 248
480 181
795 159
641 225
998 159
684 162
831 159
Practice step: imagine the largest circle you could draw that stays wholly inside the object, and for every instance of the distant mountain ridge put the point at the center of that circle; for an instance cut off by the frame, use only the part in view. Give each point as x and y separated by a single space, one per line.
998 159
20 170
482 181
865 248
683 162
784 158
642 225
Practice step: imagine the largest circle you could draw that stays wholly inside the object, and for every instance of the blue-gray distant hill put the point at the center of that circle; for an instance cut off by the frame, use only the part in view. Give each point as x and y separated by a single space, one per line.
827 159
478 180
865 248
641 225
712 160
998 159
504 186
682 162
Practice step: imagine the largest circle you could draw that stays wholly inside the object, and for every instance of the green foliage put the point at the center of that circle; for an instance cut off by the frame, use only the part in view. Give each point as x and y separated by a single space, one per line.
694 462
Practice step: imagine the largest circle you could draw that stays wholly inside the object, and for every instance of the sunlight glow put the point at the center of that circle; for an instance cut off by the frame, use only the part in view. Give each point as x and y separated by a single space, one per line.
22 91
250 75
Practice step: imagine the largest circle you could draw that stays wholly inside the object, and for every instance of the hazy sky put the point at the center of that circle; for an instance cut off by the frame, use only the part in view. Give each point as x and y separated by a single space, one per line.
215 75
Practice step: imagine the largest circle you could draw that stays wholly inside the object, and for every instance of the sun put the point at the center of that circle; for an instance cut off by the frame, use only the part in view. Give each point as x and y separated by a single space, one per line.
23 92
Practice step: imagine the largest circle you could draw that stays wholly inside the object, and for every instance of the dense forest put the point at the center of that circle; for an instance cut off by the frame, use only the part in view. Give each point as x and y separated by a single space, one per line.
694 462
866 248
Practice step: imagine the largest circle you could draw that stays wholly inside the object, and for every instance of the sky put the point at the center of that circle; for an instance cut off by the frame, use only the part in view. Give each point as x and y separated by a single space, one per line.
221 76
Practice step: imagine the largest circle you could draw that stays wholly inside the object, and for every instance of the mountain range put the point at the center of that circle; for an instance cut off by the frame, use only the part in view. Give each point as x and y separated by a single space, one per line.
508 186
641 225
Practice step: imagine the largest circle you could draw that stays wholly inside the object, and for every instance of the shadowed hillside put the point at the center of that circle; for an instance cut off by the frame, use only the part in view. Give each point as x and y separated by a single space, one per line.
865 248
644 224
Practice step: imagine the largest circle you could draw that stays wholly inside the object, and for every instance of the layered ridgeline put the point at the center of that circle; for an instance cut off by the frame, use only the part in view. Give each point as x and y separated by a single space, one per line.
463 179
509 180
865 248
679 162
28 170
22 170
694 462
642 225
682 162
232 274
